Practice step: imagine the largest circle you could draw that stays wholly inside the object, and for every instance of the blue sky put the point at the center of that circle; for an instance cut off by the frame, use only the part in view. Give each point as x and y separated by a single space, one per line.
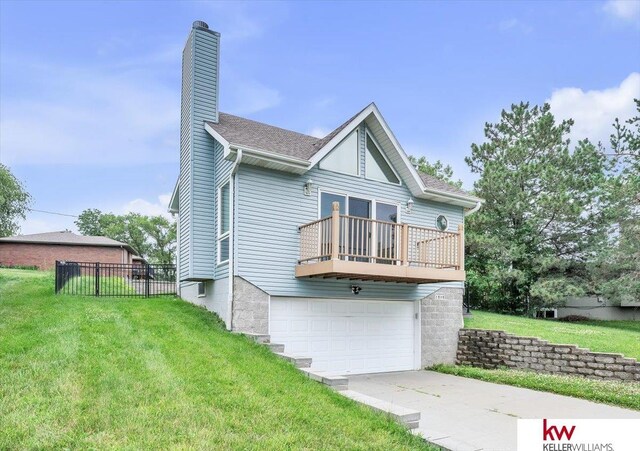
90 91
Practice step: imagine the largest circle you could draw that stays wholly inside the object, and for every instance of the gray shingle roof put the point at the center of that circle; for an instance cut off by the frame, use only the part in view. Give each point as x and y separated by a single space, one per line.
65 237
256 135
440 185
245 132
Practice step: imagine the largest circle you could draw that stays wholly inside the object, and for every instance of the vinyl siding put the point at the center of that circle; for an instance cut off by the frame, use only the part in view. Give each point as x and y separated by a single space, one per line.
184 195
271 207
197 241
223 172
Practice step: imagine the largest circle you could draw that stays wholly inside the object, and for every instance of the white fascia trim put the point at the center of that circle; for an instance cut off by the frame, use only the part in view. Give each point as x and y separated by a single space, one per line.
218 137
450 198
293 163
175 199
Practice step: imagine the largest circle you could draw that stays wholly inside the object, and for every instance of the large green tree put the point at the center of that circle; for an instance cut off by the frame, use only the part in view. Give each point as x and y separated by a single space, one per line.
543 216
14 202
436 169
153 237
616 269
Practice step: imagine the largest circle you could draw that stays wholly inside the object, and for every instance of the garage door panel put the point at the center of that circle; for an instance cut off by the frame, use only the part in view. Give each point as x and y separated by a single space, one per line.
346 337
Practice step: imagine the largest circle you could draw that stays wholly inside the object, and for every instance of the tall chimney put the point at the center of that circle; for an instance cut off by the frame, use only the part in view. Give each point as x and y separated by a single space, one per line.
199 103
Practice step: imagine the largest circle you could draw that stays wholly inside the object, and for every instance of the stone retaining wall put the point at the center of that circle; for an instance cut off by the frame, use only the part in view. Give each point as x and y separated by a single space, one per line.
492 349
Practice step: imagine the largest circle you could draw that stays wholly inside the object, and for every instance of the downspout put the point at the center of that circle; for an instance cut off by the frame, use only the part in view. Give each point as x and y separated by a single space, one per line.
232 241
474 209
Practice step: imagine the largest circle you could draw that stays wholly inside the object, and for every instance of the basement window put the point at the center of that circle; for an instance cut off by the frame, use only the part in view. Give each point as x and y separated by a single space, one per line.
202 290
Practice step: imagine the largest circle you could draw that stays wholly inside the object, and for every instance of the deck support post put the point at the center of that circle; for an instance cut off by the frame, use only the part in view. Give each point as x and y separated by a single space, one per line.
461 247
404 241
335 231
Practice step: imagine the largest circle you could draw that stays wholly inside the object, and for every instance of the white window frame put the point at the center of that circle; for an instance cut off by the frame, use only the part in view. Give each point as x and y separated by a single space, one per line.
445 218
370 135
359 173
204 289
227 234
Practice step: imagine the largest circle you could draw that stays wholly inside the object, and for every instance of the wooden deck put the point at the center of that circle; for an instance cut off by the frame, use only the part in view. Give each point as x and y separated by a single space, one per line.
348 247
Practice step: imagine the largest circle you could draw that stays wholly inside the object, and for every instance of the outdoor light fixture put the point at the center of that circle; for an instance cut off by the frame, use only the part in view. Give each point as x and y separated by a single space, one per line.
355 289
409 205
307 187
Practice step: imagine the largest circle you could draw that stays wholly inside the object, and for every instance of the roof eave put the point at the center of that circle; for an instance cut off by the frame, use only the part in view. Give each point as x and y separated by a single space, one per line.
271 160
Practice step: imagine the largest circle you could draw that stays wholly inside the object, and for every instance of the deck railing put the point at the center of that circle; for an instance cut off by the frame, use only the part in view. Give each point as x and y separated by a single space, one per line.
343 237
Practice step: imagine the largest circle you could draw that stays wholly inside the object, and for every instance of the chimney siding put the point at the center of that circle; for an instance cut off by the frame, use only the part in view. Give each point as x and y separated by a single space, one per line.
199 102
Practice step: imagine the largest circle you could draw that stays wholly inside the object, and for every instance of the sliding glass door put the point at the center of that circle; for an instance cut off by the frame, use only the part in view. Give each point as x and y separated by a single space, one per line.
361 238
359 230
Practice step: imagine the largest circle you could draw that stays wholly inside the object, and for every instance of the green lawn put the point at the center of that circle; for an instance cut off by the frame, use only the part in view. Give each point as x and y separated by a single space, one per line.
620 394
601 336
85 372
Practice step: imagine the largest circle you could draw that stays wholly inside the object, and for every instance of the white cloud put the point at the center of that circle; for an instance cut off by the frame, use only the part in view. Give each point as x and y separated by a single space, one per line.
318 132
41 223
238 21
248 97
90 116
594 111
627 10
514 24
144 207
325 102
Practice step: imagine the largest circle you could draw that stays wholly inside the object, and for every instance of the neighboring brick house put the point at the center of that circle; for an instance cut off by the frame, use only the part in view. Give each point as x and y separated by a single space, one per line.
43 249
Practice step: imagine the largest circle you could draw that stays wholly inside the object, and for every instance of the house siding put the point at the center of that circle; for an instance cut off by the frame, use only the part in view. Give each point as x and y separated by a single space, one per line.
223 175
197 165
184 196
271 207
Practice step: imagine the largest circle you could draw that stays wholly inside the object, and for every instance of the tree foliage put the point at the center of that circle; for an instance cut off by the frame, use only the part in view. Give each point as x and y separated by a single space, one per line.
616 270
437 169
14 202
153 237
544 212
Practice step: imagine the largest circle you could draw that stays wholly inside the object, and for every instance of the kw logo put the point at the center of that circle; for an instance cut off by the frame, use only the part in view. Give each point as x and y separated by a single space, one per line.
552 432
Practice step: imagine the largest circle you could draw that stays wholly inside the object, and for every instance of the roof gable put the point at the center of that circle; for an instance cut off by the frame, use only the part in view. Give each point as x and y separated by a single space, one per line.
255 143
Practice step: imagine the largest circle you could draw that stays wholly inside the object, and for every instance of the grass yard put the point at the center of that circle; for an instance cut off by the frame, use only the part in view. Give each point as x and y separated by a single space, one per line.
601 336
615 393
84 372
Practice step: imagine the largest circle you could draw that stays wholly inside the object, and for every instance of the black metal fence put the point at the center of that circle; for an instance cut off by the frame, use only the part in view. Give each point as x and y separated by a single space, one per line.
114 279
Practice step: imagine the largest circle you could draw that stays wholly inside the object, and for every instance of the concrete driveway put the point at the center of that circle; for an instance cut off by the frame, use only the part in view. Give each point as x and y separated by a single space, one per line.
463 414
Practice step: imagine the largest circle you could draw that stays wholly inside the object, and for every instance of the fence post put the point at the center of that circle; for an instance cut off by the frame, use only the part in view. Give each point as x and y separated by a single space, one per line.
146 281
57 280
97 277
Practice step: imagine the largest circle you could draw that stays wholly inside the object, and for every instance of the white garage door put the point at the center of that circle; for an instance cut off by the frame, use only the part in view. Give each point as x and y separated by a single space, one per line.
346 336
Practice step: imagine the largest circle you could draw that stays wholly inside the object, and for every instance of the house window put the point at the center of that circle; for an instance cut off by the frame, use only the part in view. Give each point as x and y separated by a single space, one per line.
442 223
345 157
326 203
224 222
376 165
202 290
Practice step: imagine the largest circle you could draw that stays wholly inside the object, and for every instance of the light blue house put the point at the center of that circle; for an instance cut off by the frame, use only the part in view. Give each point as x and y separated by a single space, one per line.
336 247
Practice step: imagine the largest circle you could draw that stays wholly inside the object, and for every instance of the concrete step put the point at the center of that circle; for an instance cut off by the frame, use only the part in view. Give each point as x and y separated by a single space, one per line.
336 382
298 362
275 347
408 417
258 338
